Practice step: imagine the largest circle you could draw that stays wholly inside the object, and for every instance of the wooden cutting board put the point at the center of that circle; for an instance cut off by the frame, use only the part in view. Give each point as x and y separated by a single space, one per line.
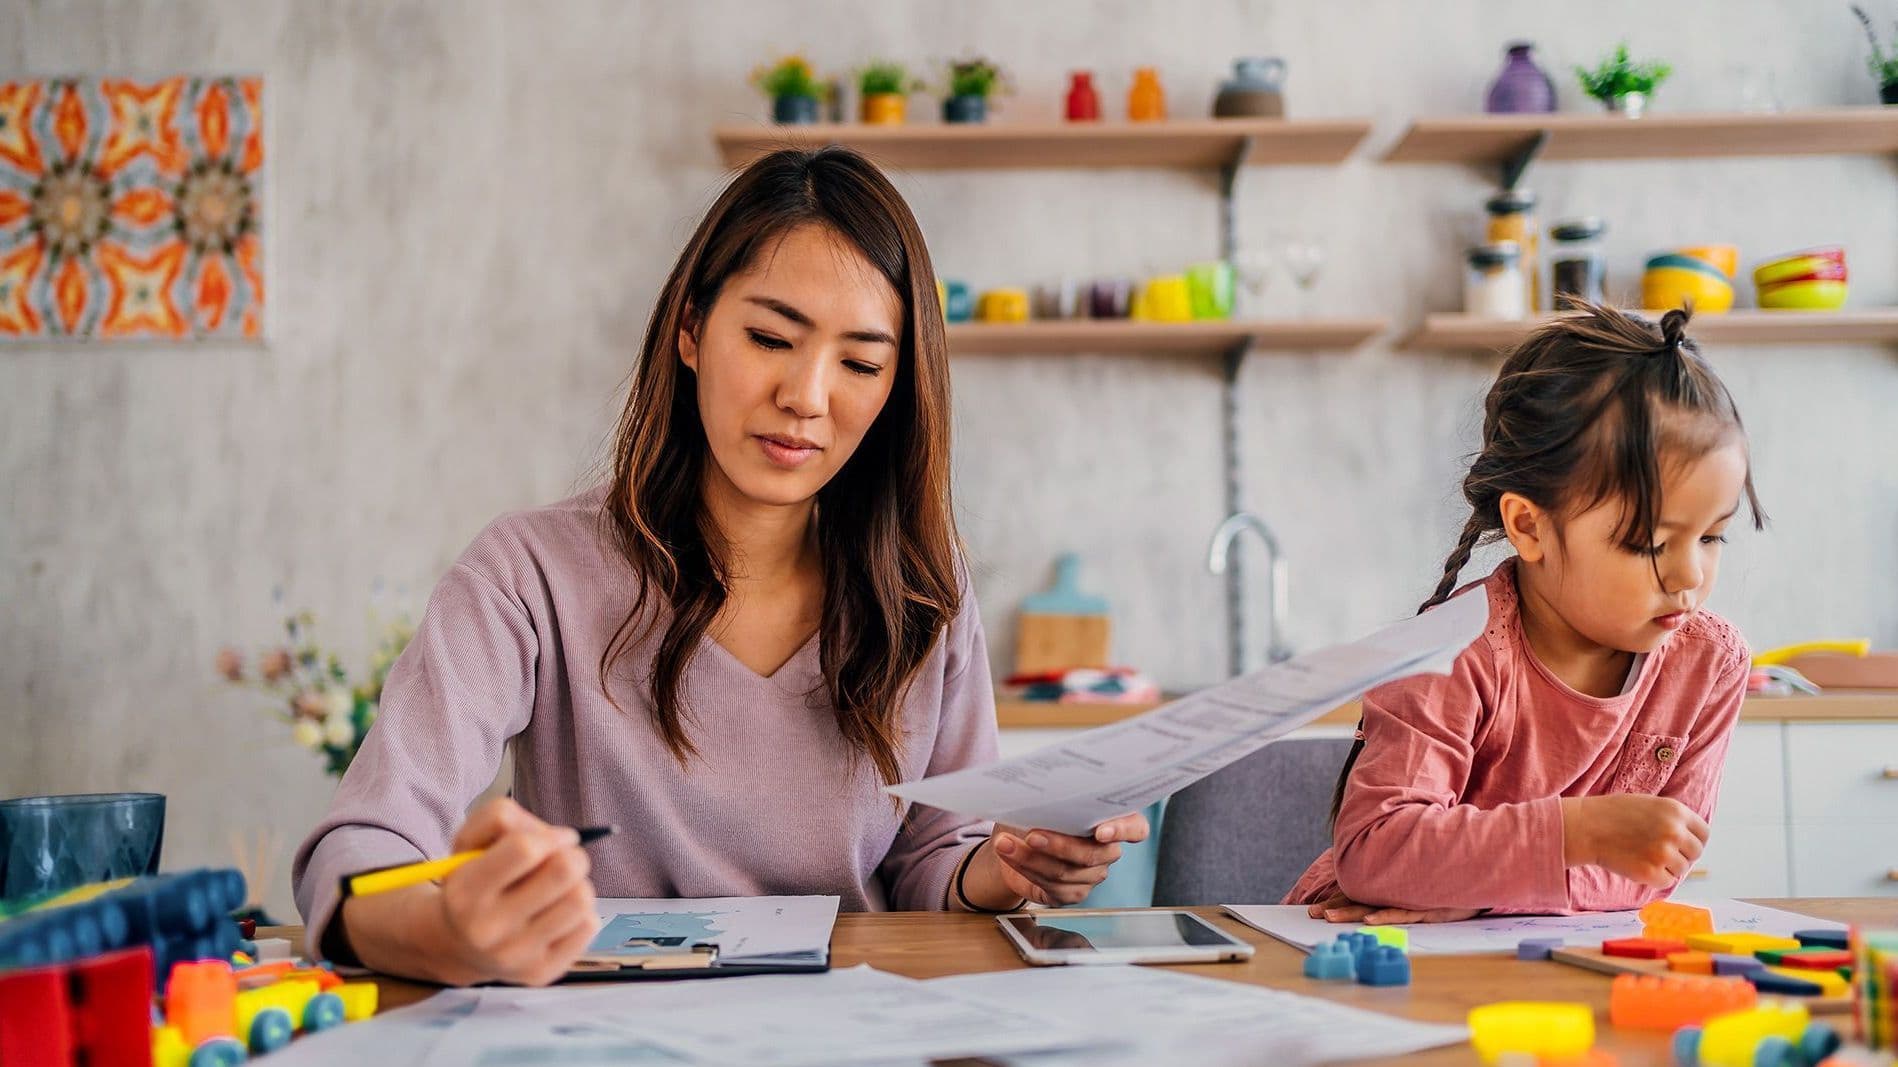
1063 628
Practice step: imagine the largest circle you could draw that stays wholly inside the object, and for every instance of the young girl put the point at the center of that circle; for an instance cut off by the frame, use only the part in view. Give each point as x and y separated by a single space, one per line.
727 648
1572 758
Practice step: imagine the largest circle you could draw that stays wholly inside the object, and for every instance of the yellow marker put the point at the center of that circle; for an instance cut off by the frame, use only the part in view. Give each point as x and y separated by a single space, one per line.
403 875
1777 657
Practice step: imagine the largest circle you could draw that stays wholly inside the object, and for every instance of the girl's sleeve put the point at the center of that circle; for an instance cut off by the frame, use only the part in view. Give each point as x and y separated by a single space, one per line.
461 689
917 869
1402 837
1695 783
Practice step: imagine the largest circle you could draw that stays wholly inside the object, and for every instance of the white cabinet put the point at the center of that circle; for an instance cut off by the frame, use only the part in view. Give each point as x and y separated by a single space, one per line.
1746 850
1842 807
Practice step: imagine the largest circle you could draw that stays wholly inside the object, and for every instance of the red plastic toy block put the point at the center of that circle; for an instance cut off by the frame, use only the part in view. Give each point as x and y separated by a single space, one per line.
1641 948
111 1000
1814 959
35 1028
1669 1002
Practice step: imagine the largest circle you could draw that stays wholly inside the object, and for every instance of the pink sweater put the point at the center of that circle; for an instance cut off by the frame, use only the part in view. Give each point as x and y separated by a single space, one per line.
509 650
1454 802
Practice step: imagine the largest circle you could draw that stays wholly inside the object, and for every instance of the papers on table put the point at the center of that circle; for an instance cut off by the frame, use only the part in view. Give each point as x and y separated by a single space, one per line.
1041 1017
1077 784
1143 1015
756 930
1500 933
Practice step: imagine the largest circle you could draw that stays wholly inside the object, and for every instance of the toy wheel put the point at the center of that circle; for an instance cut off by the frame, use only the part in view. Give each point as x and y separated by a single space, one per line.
1775 1051
218 1052
324 1011
1818 1042
1687 1047
271 1030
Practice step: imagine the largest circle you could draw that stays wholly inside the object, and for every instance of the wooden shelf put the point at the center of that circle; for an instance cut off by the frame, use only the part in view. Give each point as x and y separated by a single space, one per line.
1485 139
1187 338
1831 706
1194 143
1456 331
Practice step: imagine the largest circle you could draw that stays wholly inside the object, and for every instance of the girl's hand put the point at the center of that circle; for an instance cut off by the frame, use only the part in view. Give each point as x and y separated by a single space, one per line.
1338 908
1652 840
1044 866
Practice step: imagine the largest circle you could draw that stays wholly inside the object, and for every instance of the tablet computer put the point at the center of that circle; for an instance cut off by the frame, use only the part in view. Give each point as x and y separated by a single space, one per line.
1146 935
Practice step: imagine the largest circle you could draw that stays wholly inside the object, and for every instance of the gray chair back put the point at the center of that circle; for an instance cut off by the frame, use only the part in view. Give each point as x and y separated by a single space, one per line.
1244 834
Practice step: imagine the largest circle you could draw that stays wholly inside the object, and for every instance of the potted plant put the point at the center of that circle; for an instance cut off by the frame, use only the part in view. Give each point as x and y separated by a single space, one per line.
1622 84
971 82
793 88
1883 64
885 87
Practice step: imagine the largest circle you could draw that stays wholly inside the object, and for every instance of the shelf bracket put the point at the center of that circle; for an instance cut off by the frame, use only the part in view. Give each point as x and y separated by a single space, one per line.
1518 161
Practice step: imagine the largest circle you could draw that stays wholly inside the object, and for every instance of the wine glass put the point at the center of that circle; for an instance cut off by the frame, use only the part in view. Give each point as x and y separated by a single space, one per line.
1254 268
1303 256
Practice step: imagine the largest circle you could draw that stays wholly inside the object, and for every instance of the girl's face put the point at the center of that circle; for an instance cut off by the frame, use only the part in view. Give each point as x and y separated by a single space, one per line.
793 363
1608 593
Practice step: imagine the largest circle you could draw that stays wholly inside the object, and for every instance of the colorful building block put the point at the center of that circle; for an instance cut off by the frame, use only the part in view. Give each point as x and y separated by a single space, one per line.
1534 1028
1396 937
1384 965
1744 943
181 916
35 1027
200 997
95 1012
1641 948
1537 948
1725 964
1668 1002
1830 983
1810 959
1823 938
1331 961
1778 983
1770 1035
1690 962
359 1000
1875 987
1664 920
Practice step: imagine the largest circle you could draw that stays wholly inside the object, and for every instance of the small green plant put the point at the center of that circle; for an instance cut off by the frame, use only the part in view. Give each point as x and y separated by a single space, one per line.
976 77
885 76
790 76
1618 76
1882 64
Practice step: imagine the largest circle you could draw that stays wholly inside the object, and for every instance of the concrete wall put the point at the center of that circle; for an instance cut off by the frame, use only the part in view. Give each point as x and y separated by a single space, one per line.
472 204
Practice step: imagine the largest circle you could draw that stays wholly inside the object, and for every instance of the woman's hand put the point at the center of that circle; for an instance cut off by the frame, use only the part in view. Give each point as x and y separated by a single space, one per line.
1043 866
522 912
1338 908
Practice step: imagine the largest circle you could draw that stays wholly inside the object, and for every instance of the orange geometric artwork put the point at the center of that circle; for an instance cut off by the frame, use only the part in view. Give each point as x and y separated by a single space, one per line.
131 209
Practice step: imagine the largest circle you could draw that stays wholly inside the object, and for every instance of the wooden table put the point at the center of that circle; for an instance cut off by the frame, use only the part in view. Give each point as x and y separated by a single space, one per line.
1442 989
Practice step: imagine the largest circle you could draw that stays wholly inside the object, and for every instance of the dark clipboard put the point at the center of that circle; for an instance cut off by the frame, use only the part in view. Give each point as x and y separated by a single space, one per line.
696 961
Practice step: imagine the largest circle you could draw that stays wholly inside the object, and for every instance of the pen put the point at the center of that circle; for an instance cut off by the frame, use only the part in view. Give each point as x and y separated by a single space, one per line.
403 875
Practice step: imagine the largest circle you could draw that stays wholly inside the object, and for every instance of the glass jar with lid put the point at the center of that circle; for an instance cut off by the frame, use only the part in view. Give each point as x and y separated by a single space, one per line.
1578 269
1512 218
1492 282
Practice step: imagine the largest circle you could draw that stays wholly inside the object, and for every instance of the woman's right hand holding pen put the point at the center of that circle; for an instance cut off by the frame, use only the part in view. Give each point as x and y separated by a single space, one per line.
1649 839
522 912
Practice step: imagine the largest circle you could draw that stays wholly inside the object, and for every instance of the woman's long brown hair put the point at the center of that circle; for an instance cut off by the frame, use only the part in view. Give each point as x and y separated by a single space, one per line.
885 528
1586 410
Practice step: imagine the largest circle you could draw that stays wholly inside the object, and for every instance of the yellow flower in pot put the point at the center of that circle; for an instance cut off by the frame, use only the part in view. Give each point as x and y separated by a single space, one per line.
885 87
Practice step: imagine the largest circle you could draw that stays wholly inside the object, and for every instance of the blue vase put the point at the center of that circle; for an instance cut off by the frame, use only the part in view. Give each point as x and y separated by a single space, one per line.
794 110
965 108
1522 87
1255 90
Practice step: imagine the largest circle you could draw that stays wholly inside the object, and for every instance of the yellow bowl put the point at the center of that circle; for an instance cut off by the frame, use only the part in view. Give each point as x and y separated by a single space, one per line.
1666 288
1817 294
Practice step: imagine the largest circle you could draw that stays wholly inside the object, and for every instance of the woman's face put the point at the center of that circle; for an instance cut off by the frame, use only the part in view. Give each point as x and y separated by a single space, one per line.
793 362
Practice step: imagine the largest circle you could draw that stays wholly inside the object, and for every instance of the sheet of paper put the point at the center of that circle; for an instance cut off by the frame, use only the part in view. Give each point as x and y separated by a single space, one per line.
1075 785
1151 1015
743 928
1500 933
399 1038
852 1017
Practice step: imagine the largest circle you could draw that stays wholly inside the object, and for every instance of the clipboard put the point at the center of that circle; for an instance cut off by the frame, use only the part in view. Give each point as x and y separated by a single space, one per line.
690 961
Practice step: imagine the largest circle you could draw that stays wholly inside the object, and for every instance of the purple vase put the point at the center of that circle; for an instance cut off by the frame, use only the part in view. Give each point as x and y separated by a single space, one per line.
1522 87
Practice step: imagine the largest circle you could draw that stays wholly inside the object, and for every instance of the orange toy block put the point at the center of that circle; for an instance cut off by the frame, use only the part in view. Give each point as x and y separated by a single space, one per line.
201 999
1665 920
1691 962
1671 1001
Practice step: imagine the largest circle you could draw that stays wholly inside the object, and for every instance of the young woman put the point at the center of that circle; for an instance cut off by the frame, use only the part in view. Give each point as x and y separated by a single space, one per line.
727 648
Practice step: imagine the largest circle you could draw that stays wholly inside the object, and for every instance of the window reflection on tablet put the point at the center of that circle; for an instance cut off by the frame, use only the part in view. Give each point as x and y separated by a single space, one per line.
1136 930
